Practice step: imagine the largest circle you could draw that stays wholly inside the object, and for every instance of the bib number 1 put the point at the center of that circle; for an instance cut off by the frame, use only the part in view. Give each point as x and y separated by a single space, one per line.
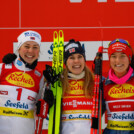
19 90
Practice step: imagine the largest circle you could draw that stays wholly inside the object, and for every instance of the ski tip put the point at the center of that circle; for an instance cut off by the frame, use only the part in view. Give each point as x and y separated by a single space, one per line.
55 34
61 33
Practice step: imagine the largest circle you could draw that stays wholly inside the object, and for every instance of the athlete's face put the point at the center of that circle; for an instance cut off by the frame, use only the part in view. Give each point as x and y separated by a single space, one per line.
119 62
29 51
76 63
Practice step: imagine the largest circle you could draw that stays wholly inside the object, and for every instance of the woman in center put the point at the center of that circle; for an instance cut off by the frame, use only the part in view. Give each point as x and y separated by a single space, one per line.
77 83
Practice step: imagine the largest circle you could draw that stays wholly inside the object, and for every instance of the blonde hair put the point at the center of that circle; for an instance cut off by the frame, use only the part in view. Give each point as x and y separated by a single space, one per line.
88 82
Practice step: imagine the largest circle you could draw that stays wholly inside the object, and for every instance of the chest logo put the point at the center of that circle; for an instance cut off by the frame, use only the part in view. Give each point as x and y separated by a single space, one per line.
20 79
76 87
121 91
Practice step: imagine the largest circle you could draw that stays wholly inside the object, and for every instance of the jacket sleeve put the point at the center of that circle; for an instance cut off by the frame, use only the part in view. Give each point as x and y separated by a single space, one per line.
41 88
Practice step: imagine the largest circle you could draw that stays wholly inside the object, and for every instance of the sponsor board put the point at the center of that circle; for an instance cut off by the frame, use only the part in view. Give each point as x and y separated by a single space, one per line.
91 47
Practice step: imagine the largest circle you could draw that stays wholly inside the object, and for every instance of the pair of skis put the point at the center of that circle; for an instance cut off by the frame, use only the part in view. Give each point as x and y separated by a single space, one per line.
57 66
54 125
44 109
97 98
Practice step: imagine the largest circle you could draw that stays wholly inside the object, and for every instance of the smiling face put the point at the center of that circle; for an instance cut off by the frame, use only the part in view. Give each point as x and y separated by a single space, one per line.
76 63
29 51
119 62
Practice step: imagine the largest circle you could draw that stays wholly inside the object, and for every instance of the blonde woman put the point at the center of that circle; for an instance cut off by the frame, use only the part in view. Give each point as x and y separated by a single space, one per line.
77 82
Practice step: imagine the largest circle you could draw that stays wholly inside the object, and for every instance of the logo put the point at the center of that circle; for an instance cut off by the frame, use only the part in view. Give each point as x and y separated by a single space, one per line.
51 49
32 34
19 63
8 66
37 73
76 87
79 116
31 98
4 92
119 47
72 45
72 50
32 38
76 103
123 116
20 79
121 91
16 105
63 118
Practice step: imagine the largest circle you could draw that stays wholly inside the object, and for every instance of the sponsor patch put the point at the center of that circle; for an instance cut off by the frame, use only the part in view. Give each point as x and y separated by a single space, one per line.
19 63
121 91
8 66
4 92
16 105
4 111
31 98
121 125
37 73
20 79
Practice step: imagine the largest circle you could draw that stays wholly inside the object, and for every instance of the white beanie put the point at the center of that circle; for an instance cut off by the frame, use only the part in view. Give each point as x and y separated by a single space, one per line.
28 36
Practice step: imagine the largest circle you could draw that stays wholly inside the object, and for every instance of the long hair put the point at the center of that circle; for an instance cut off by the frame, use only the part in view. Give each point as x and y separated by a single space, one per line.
88 82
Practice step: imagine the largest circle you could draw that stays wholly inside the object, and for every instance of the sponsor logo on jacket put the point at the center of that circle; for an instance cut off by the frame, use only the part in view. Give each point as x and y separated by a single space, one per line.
79 116
76 87
121 91
20 79
16 105
123 116
75 103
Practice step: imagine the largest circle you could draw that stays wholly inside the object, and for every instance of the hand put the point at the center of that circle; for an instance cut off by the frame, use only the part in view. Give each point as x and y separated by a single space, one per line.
9 58
42 108
44 104
49 97
50 75
98 54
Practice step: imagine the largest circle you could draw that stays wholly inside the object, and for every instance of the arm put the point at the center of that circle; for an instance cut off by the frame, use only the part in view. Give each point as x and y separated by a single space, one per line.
9 58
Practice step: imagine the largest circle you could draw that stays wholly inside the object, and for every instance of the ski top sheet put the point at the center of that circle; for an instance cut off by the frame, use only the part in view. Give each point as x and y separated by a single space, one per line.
57 65
39 125
97 98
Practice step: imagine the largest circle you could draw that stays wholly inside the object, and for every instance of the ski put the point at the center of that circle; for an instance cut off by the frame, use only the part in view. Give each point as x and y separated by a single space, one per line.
53 87
45 109
97 98
59 87
57 66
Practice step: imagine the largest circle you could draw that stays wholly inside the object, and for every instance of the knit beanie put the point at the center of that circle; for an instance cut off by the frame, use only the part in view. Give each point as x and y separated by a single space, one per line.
73 47
29 36
120 45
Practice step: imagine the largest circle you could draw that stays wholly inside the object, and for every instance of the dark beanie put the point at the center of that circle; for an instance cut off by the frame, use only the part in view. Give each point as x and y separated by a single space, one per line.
73 47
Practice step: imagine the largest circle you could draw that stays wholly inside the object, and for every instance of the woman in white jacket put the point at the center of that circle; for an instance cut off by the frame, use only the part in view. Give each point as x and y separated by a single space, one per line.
20 83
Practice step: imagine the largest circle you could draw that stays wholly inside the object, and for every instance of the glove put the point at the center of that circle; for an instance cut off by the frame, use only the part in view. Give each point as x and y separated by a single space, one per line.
49 75
49 97
94 123
42 108
9 58
98 54
44 104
